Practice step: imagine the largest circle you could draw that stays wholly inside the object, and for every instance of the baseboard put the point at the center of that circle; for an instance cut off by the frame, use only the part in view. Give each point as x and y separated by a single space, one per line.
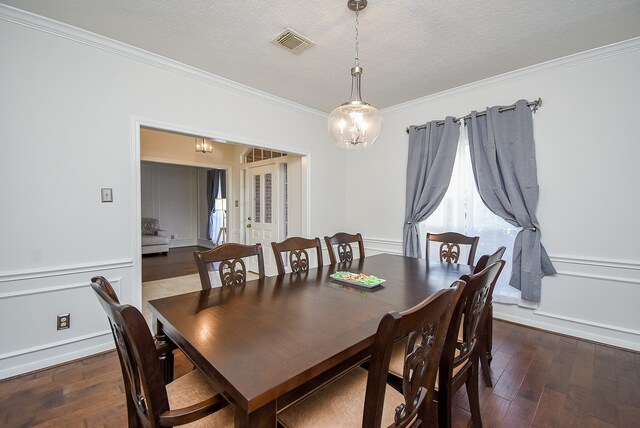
567 326
49 357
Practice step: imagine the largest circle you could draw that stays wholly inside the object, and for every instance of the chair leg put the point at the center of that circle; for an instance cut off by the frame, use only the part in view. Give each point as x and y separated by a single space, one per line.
444 407
488 339
484 364
474 396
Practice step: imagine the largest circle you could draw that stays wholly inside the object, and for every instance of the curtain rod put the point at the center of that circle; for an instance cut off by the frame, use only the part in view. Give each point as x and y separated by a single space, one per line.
535 104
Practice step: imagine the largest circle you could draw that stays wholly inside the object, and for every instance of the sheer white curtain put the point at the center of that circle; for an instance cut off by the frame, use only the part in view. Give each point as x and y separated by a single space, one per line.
463 211
215 220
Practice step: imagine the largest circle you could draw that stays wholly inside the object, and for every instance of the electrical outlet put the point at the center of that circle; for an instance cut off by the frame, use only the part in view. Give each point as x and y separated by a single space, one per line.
64 321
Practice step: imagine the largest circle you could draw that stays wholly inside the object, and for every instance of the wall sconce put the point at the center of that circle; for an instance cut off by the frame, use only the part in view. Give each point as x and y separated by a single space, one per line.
204 146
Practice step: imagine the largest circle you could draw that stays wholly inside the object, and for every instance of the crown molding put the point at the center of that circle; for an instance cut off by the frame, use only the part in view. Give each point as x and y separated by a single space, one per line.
543 67
69 32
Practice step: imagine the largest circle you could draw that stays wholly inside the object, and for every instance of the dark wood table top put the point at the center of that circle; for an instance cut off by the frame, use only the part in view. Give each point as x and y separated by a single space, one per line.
262 342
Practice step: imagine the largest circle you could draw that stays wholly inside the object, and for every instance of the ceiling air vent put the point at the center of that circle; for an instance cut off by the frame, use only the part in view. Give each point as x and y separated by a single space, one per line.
292 41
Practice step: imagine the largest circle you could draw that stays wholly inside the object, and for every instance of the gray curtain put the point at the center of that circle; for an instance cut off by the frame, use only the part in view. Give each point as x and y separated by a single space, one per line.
223 183
432 152
504 165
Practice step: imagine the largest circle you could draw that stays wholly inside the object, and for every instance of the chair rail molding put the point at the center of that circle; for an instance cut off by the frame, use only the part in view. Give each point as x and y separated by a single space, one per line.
115 282
381 245
610 263
28 274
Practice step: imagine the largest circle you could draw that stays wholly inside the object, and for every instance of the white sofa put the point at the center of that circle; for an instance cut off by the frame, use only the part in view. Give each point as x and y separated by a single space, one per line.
154 239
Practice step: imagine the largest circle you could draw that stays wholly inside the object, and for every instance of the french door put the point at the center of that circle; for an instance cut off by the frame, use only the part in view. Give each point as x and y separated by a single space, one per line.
262 222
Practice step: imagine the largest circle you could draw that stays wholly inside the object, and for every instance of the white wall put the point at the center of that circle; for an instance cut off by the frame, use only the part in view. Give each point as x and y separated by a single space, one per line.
69 110
169 193
587 152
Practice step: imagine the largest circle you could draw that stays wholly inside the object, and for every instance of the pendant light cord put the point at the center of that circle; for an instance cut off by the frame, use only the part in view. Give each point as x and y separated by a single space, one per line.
357 59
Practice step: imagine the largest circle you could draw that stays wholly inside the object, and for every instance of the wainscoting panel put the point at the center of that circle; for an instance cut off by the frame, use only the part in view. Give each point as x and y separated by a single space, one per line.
588 298
375 246
594 299
31 302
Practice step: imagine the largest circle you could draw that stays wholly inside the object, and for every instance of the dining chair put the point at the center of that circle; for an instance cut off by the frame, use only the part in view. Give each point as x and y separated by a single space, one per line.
228 259
487 333
163 347
343 242
449 250
150 402
459 361
298 257
361 397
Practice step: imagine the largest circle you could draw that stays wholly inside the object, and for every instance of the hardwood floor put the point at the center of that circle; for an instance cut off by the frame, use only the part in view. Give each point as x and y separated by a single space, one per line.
178 262
540 379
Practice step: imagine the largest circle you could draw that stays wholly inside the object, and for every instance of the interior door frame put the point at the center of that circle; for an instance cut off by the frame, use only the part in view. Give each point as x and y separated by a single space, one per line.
135 296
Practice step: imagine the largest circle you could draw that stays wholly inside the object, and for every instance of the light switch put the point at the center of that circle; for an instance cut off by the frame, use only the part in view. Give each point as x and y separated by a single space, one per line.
107 194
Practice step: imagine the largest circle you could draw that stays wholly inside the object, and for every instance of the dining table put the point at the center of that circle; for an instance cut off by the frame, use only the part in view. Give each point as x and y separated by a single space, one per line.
269 342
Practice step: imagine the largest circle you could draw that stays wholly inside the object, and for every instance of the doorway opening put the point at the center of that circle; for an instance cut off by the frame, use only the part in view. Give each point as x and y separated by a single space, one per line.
171 152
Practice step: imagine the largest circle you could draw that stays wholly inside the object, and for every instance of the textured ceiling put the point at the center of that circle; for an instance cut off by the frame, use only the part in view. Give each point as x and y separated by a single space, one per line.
408 49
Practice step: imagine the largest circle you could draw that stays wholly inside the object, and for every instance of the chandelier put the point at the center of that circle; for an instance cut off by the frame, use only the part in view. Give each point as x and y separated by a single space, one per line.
355 124
204 146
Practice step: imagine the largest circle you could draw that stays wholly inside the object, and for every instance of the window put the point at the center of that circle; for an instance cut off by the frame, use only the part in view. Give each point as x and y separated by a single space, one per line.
256 198
267 197
256 155
463 211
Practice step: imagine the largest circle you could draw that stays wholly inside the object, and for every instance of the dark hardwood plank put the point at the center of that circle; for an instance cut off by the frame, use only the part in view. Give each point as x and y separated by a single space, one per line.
520 413
178 262
628 416
493 409
579 390
576 409
509 383
627 379
535 379
597 423
499 363
549 410
604 362
566 351
603 400
558 377
582 369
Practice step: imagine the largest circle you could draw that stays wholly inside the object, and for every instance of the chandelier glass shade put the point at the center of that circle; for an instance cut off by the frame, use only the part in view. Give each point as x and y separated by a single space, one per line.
355 124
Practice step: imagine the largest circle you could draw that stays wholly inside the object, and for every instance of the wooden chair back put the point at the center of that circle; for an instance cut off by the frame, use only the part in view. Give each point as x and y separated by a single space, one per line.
231 267
343 243
425 326
461 354
141 369
298 256
487 338
450 242
489 259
